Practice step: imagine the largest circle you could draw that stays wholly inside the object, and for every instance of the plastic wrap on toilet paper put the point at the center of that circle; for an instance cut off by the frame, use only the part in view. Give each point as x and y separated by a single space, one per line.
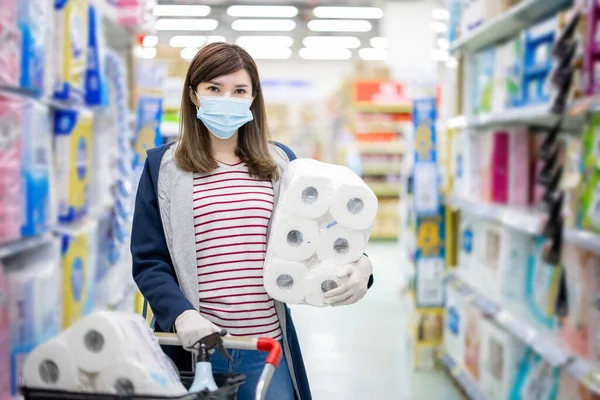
10 54
322 222
51 366
132 377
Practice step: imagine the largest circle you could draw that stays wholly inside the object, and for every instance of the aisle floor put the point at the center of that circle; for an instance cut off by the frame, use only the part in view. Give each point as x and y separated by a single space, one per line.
363 351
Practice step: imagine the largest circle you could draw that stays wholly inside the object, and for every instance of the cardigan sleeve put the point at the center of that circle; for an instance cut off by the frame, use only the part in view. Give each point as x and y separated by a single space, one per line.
152 266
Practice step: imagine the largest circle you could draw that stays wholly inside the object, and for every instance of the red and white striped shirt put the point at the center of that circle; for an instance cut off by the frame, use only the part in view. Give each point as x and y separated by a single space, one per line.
231 214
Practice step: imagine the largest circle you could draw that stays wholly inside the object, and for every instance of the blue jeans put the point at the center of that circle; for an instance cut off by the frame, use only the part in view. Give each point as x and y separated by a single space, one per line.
251 364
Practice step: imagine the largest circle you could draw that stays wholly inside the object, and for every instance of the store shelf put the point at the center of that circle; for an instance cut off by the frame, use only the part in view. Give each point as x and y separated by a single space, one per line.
11 248
393 147
385 189
540 340
584 239
384 237
509 24
378 171
524 220
382 108
462 377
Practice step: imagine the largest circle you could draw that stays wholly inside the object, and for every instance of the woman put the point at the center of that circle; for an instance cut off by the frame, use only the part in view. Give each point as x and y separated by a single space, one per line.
201 223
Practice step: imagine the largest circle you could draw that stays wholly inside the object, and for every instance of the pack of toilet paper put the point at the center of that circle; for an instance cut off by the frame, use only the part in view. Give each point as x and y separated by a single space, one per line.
322 222
32 279
106 352
4 339
10 54
34 16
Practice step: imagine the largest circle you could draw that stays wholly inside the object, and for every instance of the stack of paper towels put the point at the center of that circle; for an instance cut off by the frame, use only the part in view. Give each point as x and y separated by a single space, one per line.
322 222
106 352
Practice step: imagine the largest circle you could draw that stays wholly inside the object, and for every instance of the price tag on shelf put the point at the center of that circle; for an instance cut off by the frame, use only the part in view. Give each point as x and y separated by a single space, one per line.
550 351
487 306
516 327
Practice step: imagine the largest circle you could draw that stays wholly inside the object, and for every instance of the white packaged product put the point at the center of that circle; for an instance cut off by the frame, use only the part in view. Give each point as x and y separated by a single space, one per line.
322 222
133 377
51 366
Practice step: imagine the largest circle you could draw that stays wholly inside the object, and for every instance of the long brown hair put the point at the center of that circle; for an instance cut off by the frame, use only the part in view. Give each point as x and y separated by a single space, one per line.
193 152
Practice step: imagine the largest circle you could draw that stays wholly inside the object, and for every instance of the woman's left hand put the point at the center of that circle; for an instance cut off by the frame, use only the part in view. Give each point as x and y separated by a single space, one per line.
355 288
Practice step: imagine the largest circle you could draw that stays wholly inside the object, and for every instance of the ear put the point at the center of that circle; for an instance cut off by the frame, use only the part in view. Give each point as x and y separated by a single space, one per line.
193 97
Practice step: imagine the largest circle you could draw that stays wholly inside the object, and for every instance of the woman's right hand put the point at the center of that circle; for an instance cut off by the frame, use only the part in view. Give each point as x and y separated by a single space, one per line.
191 327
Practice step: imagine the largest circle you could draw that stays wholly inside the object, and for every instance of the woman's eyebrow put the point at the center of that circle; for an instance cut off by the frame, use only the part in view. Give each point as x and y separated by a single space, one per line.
240 86
215 83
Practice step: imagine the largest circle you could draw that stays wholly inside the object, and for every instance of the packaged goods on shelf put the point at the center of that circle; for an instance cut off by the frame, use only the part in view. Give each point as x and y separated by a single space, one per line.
4 338
536 379
10 55
71 41
79 254
483 81
541 288
32 279
580 327
322 222
469 238
454 327
72 154
11 191
589 212
538 42
95 84
472 360
39 214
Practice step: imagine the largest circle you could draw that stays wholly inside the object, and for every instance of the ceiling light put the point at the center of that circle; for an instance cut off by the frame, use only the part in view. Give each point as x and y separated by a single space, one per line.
443 43
310 53
189 53
264 25
439 27
186 24
441 13
264 41
263 11
187 41
332 25
373 54
215 39
379 43
439 55
346 42
174 10
348 12
145 52
150 41
273 53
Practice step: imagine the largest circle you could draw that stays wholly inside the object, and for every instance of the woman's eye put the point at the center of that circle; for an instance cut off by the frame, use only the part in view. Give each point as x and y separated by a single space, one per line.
213 88
240 91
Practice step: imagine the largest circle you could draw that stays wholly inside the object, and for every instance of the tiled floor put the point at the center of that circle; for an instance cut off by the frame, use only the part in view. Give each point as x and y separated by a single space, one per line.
363 351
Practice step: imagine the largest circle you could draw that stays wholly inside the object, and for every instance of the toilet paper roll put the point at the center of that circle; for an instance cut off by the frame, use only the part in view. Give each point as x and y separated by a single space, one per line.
294 238
309 196
322 280
340 245
285 280
132 377
51 366
354 206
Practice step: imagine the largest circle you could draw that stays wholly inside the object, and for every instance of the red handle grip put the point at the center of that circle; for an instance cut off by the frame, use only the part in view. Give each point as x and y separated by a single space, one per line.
272 347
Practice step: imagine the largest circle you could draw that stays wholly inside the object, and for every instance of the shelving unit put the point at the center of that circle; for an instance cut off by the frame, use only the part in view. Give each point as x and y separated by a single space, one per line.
462 377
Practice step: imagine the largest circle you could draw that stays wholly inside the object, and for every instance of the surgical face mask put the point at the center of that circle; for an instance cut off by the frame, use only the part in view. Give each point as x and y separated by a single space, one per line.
223 116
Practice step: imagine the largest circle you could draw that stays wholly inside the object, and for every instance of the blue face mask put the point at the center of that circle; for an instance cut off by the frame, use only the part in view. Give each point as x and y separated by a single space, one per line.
223 116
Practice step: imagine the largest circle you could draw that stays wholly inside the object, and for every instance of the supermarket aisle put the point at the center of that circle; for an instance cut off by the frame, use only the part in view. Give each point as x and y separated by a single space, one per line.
363 351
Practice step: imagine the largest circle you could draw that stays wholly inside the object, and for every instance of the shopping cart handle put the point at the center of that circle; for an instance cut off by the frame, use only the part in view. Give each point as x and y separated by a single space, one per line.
273 347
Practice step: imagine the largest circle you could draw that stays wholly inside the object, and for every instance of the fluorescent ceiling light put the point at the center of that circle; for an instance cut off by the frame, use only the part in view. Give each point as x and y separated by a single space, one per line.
439 27
309 53
332 25
373 54
346 42
264 25
439 55
443 43
264 41
263 11
187 41
145 52
348 12
215 39
186 24
273 53
379 43
150 41
441 13
189 53
174 10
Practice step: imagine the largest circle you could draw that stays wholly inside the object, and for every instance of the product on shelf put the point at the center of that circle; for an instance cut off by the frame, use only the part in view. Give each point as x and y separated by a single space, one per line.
592 53
454 326
572 389
10 55
541 288
11 195
71 41
4 338
95 84
536 379
79 257
537 45
36 169
469 238
34 18
589 212
473 341
483 81
32 279
72 154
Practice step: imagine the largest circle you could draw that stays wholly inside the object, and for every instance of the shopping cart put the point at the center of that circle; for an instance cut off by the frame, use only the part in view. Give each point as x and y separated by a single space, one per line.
228 383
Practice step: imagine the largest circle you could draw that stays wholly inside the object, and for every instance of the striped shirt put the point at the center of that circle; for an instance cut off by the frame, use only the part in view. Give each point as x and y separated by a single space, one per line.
231 214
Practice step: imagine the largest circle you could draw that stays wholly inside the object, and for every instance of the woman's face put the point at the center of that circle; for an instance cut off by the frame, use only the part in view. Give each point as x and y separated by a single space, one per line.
236 85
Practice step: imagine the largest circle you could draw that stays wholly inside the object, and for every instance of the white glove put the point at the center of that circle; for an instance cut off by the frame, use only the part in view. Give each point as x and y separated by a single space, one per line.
355 288
191 327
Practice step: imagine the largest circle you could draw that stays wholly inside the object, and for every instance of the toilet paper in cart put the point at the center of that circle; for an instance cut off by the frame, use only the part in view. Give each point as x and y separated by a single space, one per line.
105 342
321 223
52 366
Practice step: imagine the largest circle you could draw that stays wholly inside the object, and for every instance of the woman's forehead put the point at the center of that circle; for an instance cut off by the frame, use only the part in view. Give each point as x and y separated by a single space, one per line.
236 78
